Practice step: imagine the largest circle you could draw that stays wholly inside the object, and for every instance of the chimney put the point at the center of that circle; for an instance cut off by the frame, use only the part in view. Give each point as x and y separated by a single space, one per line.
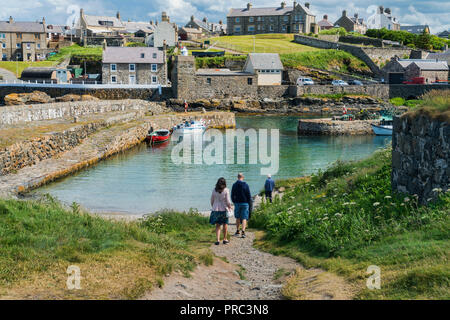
151 22
325 17
344 13
387 10
295 4
356 16
249 6
283 5
104 45
307 5
11 20
118 15
81 12
220 22
381 10
192 18
43 21
205 20
164 16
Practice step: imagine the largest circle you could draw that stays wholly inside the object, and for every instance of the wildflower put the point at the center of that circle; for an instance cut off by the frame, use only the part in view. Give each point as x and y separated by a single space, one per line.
352 203
388 197
338 215
336 231
299 204
429 199
376 204
438 190
366 230
325 218
346 203
377 217
406 199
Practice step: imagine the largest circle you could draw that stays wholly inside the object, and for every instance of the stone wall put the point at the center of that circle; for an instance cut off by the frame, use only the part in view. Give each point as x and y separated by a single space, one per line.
413 91
373 57
334 128
378 91
273 92
101 93
362 41
48 111
420 155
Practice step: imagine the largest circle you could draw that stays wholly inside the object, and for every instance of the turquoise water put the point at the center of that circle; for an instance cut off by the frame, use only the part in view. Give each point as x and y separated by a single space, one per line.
145 179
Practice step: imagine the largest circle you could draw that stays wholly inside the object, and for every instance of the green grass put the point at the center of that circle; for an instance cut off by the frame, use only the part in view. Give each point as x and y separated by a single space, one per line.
262 43
347 218
79 51
336 60
17 67
39 236
216 62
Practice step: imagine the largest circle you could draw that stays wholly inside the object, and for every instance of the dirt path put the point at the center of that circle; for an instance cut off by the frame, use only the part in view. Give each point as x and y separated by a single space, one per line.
251 274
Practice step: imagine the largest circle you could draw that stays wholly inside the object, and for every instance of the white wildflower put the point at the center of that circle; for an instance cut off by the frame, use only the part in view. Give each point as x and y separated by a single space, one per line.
388 197
406 199
376 204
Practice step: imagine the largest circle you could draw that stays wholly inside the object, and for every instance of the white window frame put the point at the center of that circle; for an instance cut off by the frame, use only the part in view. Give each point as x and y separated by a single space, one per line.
154 67
19 55
28 46
251 28
38 45
132 76
237 28
113 77
111 67
3 45
155 55
3 35
237 20
4 56
134 67
18 45
250 19
154 79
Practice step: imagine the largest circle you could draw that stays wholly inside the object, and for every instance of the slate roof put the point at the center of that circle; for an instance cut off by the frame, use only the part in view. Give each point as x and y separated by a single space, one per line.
432 65
51 28
20 26
414 29
442 56
92 21
324 23
274 11
132 55
265 61
133 27
190 30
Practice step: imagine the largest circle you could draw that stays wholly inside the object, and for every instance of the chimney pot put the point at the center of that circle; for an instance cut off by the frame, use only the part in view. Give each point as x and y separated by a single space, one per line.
325 17
118 15
307 5
344 13
249 6
283 5
11 20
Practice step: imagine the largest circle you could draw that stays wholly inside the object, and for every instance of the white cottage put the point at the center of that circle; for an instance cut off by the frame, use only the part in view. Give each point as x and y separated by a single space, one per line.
267 66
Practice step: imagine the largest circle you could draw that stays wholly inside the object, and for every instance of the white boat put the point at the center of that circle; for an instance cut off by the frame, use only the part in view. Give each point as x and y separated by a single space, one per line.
190 127
384 128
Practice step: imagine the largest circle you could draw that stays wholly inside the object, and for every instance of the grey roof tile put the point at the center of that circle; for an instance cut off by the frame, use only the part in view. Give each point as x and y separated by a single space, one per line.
132 55
265 61
273 11
21 26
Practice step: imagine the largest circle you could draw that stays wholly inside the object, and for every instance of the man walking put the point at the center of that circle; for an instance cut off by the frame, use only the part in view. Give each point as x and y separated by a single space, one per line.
242 199
268 187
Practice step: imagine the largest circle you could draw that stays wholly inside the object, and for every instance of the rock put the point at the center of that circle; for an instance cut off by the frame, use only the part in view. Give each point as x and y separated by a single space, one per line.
69 97
88 97
34 97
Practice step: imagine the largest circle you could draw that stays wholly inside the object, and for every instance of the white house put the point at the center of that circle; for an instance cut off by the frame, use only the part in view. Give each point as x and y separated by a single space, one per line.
267 66
164 31
383 19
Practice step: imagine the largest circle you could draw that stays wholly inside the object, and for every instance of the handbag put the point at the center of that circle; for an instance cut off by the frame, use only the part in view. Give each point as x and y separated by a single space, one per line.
229 213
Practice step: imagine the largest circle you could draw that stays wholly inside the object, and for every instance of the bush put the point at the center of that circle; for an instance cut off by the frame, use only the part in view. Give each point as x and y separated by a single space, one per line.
398 101
340 31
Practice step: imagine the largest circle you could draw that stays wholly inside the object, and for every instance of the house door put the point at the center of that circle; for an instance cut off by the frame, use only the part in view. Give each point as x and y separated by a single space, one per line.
288 29
28 56
133 79
395 78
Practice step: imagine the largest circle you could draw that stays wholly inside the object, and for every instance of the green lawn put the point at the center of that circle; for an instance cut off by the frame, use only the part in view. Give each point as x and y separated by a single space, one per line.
76 50
17 67
346 219
265 43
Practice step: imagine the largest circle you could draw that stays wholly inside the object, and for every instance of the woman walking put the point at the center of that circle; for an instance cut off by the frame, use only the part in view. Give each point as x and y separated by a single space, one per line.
221 205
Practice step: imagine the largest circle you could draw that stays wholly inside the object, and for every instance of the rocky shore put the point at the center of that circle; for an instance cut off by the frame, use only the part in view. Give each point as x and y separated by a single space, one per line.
334 127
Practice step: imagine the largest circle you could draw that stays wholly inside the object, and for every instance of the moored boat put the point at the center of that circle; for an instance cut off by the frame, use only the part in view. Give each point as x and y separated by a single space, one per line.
190 127
384 128
159 136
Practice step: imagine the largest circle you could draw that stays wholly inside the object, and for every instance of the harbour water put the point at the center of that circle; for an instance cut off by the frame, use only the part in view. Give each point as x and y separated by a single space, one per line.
144 179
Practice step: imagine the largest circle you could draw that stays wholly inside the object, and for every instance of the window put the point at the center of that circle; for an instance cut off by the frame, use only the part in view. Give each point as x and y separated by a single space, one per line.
113 67
132 79
208 80
251 28
142 55
154 55
258 19
113 79
284 28
4 56
154 79
250 19
271 27
3 45
19 56
106 23
237 20
286 18
37 36
237 28
2 36
28 46
271 18
249 81
38 45
18 45
19 35
154 67
132 67
259 27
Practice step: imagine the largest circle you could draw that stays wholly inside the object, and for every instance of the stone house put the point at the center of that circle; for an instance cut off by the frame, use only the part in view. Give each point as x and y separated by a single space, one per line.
324 24
398 70
351 24
282 19
90 25
383 19
444 34
266 66
23 41
208 28
134 65
186 33
416 29
164 32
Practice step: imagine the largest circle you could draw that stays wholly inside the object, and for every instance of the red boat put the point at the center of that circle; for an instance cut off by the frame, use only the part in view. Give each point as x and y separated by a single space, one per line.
159 136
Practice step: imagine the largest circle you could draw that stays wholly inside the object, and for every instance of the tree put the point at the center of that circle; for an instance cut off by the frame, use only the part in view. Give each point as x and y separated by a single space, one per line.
424 41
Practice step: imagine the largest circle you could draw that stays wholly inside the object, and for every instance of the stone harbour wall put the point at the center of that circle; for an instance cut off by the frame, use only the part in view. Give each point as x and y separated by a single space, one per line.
334 128
48 111
421 155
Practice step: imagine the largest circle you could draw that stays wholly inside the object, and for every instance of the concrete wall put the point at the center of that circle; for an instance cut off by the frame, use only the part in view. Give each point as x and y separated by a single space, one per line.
47 111
420 155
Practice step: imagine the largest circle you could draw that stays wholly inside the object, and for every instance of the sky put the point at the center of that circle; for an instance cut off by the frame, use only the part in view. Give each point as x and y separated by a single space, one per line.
435 13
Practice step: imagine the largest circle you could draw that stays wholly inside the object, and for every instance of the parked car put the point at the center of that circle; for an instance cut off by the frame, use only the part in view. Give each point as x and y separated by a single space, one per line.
304 81
339 83
355 83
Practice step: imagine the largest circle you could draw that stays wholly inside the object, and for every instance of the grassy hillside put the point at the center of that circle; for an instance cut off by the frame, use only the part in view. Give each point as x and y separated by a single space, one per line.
40 239
346 219
17 67
270 43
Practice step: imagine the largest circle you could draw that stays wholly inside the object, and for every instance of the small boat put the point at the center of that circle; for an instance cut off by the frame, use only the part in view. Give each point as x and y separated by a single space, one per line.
190 127
159 136
384 128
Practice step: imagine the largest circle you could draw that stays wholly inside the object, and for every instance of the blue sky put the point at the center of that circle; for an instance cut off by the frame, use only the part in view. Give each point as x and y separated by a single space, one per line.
435 13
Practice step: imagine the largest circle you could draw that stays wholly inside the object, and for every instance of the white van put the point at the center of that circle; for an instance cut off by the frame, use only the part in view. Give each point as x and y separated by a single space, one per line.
304 81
